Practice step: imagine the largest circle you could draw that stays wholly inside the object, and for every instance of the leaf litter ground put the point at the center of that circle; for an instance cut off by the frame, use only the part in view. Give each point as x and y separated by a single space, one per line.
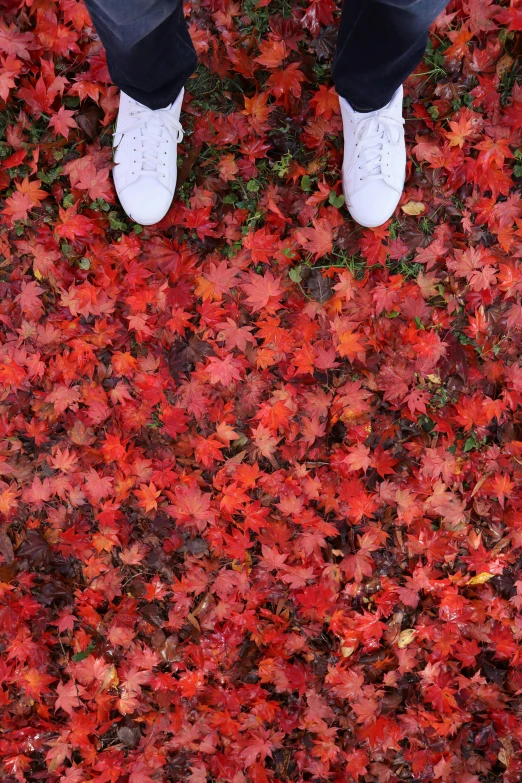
261 488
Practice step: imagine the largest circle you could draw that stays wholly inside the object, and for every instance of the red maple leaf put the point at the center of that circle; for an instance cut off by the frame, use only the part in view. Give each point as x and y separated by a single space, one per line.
72 225
84 176
318 240
35 683
325 102
27 195
225 370
29 299
261 244
69 694
62 122
286 82
264 292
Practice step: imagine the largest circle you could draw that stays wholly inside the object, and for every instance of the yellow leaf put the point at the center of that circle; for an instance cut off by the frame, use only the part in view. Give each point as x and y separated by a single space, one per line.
347 651
406 637
479 579
110 679
413 208
434 379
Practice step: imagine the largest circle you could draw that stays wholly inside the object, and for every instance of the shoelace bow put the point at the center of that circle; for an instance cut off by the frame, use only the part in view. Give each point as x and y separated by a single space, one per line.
154 121
370 138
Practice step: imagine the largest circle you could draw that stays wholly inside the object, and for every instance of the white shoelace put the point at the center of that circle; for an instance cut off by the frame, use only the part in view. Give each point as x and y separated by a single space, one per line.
371 136
152 125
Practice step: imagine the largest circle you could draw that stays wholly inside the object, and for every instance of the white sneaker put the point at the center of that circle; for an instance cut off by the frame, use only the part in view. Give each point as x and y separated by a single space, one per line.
145 153
374 166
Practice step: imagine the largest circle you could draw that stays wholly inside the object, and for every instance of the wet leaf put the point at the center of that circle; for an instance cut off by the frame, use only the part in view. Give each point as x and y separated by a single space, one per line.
88 119
35 549
480 579
319 287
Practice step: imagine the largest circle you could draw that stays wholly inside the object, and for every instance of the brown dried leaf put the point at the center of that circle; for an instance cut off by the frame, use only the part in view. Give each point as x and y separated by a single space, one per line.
319 287
6 547
88 119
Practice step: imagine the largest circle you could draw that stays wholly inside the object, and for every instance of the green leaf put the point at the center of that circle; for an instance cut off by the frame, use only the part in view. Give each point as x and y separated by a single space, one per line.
80 656
306 183
471 443
335 200
295 274
426 423
115 223
50 176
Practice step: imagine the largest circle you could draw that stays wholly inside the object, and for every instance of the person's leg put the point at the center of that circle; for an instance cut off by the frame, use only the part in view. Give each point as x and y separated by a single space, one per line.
150 54
150 57
380 43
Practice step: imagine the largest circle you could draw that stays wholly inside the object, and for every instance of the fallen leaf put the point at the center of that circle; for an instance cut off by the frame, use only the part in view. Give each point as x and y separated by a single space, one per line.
480 579
413 208
406 637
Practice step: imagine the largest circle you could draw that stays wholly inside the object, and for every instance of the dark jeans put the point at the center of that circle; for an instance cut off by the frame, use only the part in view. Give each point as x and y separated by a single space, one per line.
150 54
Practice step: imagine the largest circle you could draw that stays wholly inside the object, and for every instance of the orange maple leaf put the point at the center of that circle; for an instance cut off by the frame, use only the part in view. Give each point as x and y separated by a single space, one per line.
350 344
325 102
273 53
148 496
27 195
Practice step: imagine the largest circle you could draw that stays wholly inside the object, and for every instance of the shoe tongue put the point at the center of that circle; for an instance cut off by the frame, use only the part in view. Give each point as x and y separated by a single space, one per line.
151 133
375 145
